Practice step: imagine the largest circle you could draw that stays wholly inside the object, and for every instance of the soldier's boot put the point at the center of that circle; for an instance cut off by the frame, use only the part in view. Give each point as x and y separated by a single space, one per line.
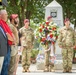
46 69
69 70
64 71
51 68
24 69
28 69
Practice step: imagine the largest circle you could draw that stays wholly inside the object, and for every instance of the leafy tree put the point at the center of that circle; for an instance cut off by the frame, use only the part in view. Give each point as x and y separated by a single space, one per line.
31 9
35 9
18 7
69 7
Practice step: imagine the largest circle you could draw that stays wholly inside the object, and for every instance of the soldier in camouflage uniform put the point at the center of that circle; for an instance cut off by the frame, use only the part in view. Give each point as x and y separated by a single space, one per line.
67 41
48 53
14 47
27 41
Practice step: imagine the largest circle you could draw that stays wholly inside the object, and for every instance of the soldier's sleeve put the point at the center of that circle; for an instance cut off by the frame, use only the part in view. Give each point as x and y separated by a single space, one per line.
11 27
60 38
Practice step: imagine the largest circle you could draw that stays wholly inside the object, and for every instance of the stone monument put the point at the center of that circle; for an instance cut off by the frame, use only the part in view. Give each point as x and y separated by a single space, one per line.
54 9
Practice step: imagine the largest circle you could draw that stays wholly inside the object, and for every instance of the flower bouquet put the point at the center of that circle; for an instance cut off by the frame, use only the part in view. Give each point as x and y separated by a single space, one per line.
47 33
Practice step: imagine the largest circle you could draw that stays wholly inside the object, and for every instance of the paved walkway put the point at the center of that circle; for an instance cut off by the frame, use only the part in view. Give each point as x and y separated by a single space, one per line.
34 71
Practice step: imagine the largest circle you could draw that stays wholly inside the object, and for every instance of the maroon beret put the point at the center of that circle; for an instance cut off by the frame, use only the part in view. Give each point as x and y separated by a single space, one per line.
49 17
66 19
26 20
13 16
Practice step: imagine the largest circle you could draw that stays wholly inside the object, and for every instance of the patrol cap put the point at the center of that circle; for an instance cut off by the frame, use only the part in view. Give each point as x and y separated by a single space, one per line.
66 19
26 20
49 17
13 16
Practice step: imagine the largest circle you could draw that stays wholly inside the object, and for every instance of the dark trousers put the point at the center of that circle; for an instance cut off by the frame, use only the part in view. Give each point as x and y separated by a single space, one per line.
6 62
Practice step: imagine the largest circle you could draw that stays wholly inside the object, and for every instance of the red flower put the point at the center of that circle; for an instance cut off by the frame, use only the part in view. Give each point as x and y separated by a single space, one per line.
40 30
46 28
43 39
42 26
51 35
56 37
53 42
47 23
54 28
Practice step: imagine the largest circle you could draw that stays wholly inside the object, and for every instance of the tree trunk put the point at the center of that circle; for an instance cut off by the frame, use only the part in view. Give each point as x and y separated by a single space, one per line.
28 14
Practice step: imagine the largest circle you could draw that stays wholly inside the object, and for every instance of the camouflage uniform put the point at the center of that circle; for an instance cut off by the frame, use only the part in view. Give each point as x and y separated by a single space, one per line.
67 39
47 55
27 41
14 51
49 66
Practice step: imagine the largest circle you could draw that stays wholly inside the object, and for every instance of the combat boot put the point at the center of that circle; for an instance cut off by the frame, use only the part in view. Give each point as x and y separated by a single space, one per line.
69 71
52 70
28 69
64 71
24 69
51 67
46 69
